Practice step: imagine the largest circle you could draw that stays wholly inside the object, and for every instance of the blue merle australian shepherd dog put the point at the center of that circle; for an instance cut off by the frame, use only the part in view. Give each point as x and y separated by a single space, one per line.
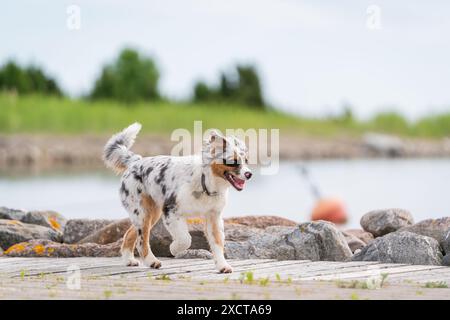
176 188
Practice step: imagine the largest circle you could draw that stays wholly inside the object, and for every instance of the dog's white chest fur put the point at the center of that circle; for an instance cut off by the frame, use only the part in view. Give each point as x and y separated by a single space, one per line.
198 203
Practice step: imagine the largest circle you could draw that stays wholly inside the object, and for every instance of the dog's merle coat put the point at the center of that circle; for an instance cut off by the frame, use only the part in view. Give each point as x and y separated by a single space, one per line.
176 188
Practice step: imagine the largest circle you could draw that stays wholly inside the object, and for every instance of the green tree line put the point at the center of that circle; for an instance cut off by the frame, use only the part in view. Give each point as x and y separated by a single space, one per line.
24 80
135 77
240 86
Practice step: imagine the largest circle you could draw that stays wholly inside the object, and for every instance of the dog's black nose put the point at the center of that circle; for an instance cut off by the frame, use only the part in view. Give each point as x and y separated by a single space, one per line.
248 175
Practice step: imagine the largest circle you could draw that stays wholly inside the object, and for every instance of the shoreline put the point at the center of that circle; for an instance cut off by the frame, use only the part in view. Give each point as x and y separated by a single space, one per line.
43 151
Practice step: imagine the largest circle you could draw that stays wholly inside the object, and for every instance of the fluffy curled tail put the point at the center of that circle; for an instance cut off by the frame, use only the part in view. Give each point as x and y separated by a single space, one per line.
116 153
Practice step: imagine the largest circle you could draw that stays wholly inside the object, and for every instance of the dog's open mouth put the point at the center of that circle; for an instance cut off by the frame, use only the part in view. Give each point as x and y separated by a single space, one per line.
237 183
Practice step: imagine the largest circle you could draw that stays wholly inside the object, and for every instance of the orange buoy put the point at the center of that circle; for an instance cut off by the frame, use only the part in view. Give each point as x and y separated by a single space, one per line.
330 209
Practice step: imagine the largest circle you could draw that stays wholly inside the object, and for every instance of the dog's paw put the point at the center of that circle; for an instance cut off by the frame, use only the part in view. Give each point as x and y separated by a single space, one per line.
178 246
132 263
155 264
226 269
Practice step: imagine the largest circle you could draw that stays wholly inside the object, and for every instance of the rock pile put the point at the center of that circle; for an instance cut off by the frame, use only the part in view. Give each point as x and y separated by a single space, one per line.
388 235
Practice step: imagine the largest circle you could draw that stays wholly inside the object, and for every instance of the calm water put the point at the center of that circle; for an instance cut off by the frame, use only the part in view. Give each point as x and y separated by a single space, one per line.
422 186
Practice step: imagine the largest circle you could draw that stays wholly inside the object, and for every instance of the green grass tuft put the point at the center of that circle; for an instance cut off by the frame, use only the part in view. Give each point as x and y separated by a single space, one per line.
436 284
247 277
354 284
163 277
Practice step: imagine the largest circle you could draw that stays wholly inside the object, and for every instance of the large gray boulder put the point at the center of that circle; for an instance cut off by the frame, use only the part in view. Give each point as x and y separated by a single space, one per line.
11 214
329 241
315 241
14 231
77 229
438 229
402 247
381 222
50 219
109 233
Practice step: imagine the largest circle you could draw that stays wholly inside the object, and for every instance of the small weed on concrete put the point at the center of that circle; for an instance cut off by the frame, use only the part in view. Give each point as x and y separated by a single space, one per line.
436 284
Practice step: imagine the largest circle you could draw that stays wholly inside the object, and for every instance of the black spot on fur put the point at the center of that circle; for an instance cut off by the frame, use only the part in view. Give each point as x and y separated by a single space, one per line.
162 172
140 232
169 204
137 176
136 171
124 190
139 190
163 189
148 171
136 212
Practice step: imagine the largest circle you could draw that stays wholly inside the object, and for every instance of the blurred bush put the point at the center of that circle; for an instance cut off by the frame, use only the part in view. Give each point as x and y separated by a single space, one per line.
130 78
27 80
390 121
240 86
437 125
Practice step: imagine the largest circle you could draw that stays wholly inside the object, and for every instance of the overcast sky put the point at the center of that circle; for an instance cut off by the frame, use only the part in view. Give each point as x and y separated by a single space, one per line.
313 55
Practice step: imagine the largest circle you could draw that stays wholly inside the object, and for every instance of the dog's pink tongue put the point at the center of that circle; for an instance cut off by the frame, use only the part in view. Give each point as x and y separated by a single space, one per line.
239 183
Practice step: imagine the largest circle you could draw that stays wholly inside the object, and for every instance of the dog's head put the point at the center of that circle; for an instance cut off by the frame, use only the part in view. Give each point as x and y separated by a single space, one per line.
228 158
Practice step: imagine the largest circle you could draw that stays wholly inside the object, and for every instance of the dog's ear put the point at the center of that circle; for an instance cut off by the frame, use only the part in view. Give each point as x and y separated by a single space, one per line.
218 143
215 136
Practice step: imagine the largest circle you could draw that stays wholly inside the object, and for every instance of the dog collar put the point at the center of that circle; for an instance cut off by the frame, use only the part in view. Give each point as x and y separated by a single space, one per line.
205 189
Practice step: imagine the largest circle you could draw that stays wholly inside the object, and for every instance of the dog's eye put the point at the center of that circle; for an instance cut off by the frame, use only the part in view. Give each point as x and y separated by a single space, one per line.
231 163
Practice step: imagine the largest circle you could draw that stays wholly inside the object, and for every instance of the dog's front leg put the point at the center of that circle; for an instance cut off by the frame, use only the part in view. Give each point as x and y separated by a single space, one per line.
216 238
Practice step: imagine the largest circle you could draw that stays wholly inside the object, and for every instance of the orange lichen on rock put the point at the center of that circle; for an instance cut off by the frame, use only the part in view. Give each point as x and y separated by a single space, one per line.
19 247
39 249
15 222
195 221
54 223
